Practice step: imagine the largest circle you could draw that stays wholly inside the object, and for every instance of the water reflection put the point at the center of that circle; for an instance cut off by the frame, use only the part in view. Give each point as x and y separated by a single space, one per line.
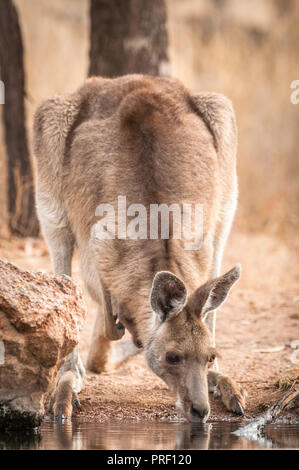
18 441
283 435
86 435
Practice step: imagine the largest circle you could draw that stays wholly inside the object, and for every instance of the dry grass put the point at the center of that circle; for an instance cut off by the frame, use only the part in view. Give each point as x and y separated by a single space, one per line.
286 383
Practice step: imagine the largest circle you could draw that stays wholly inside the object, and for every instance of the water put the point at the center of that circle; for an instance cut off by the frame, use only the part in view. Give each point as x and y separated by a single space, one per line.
145 435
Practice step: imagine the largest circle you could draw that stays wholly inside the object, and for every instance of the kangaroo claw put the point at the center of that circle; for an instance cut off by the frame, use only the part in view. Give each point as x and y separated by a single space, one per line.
239 408
231 394
76 402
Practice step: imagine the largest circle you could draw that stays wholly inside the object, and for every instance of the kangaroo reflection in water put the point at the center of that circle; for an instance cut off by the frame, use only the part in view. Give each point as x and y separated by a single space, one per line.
71 435
155 436
119 436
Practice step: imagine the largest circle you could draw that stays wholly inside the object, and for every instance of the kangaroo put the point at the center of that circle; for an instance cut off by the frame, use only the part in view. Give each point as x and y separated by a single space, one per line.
154 142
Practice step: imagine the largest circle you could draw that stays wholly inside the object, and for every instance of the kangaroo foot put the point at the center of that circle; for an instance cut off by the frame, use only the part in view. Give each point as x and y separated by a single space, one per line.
63 397
106 329
70 382
232 395
99 353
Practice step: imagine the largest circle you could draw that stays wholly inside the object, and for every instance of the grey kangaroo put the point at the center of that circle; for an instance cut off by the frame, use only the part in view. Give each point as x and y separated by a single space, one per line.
153 141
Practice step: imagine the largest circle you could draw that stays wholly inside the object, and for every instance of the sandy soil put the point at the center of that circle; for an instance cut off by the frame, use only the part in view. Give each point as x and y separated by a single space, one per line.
261 314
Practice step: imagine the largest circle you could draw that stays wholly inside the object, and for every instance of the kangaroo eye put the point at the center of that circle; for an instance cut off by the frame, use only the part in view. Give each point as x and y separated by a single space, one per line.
172 358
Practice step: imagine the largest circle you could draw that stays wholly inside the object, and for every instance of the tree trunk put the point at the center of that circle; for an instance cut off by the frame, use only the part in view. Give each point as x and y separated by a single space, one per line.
23 220
128 36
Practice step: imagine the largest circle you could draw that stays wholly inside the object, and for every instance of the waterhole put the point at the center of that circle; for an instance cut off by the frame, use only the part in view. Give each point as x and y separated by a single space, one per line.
116 436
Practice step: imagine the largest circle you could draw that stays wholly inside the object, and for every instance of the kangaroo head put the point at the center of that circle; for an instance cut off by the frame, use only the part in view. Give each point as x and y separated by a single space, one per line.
180 350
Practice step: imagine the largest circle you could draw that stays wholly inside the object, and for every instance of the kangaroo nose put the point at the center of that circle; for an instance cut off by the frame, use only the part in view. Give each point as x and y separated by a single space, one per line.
199 413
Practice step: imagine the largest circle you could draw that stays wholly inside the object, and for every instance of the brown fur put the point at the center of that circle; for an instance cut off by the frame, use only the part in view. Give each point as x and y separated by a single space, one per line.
63 396
149 139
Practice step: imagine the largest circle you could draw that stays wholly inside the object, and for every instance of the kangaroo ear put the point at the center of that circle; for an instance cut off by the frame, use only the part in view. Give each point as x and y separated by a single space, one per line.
212 294
168 295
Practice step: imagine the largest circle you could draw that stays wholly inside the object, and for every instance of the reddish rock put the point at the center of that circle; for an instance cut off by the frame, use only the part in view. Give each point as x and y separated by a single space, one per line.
40 320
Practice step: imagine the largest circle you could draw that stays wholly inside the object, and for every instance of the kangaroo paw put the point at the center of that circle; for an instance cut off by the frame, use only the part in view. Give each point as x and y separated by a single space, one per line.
233 396
70 383
63 397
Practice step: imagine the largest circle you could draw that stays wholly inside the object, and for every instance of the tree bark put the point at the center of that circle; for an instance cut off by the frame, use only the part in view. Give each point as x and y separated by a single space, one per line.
23 220
128 36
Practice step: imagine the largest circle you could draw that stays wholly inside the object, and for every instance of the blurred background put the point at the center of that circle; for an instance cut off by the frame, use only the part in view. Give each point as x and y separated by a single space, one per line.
246 49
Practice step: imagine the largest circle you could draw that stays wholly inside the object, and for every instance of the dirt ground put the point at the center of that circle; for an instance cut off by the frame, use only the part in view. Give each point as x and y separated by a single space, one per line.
255 328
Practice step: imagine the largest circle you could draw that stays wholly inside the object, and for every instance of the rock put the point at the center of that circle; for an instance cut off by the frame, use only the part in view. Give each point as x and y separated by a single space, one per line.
40 320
